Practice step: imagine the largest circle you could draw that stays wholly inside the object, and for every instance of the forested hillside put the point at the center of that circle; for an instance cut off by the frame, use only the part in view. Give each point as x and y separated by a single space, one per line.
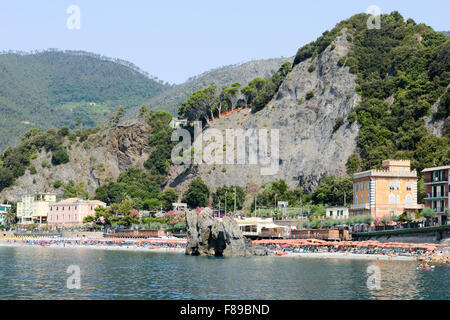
349 100
54 88
224 76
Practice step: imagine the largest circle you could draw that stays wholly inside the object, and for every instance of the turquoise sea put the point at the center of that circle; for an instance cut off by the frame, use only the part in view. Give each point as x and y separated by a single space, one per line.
41 273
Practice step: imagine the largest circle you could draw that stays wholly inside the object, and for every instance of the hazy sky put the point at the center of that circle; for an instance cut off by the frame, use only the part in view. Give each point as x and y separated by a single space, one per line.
174 40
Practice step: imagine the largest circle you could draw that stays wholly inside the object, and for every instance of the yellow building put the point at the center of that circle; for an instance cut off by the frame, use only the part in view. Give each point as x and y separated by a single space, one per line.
35 208
386 192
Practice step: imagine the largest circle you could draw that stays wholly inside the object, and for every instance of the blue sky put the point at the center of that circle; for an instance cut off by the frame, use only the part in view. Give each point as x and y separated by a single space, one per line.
174 40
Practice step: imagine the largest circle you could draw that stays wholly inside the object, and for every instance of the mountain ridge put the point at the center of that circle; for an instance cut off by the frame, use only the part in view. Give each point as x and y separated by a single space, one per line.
54 88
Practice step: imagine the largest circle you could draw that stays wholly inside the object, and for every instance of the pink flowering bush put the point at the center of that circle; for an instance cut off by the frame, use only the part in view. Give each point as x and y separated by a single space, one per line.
174 216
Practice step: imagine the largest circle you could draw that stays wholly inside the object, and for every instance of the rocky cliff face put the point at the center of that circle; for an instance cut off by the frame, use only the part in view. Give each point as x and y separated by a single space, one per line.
99 159
435 127
309 146
207 236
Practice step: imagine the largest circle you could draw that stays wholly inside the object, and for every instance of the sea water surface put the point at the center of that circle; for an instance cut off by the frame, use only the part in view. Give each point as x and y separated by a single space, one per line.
41 273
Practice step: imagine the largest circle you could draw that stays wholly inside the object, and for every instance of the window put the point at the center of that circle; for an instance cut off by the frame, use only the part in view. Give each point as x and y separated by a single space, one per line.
356 186
408 186
408 201
331 213
391 198
362 186
391 185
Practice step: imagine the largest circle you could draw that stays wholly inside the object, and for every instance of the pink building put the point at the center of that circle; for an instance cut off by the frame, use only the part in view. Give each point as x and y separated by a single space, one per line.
72 211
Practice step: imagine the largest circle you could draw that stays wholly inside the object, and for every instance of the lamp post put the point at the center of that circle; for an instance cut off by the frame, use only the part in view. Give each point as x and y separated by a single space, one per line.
234 200
226 202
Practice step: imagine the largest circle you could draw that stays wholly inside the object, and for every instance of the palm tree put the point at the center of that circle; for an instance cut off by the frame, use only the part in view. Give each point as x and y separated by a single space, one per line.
385 221
10 217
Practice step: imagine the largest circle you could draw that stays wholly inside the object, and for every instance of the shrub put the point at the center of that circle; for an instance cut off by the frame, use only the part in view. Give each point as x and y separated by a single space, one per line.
57 184
33 170
6 178
59 156
309 95
72 137
338 124
311 68
351 117
45 164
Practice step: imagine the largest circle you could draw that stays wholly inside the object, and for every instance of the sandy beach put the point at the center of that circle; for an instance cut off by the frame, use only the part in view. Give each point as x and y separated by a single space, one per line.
96 247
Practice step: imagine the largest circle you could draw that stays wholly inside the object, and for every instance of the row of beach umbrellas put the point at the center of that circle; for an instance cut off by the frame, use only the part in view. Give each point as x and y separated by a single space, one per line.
366 244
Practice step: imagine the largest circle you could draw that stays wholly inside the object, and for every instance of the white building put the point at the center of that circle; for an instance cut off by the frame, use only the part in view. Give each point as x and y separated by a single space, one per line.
337 212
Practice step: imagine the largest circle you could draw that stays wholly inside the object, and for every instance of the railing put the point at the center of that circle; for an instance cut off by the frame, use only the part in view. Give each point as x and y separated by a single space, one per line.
435 195
365 206
37 233
249 233
436 179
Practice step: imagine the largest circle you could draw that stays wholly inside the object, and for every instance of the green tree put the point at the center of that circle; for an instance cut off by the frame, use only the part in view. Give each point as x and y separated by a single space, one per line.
331 191
201 105
227 194
428 213
63 131
197 194
353 164
167 197
6 178
72 190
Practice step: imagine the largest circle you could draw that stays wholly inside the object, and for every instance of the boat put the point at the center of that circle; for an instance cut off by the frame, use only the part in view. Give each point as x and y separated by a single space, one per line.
280 253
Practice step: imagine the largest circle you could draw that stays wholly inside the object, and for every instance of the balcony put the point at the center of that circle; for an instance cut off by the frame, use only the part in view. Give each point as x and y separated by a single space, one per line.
443 179
436 196
364 206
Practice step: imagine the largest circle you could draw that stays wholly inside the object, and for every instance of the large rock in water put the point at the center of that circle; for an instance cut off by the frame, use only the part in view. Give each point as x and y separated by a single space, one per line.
207 236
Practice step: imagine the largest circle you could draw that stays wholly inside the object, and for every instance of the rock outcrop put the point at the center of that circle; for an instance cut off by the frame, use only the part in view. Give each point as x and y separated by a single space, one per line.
101 158
207 236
